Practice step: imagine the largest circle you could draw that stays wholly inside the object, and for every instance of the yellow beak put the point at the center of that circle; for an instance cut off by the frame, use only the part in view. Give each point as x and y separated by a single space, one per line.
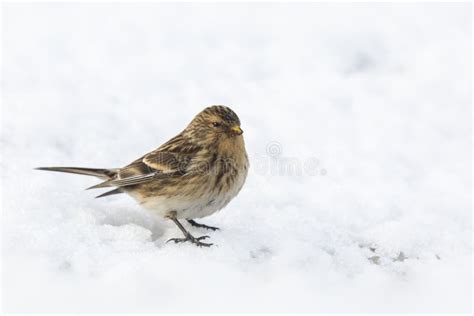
237 130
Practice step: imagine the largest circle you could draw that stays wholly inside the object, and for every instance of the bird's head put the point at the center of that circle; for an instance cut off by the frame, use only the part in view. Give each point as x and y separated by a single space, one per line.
215 122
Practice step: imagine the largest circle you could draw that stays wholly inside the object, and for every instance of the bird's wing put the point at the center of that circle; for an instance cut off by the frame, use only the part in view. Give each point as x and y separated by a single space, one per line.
169 160
166 162
175 156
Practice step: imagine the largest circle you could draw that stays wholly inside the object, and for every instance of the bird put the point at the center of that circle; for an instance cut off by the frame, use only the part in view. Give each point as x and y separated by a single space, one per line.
191 176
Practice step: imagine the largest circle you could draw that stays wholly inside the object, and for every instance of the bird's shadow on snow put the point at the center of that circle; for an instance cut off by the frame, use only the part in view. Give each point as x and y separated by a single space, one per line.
122 216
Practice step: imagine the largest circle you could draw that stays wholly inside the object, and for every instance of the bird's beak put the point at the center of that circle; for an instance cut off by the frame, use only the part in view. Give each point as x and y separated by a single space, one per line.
237 130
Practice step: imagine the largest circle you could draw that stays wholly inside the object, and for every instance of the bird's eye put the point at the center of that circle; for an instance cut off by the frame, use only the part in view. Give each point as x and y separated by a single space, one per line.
216 124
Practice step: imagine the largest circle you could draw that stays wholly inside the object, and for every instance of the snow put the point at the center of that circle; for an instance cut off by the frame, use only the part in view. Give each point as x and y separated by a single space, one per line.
357 120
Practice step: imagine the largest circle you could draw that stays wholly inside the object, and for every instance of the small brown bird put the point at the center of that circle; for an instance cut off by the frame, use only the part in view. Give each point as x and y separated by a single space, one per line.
193 175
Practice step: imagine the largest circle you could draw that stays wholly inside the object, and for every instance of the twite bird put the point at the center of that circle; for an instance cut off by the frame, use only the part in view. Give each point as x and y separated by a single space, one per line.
193 175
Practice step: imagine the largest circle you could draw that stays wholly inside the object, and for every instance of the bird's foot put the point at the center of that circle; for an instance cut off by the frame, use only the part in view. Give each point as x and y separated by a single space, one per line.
192 239
195 224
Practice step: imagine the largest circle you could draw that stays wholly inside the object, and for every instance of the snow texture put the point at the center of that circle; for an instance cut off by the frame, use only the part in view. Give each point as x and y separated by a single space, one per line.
357 120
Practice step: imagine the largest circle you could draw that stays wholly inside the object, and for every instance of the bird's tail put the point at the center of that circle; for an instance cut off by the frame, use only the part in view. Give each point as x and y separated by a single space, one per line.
99 173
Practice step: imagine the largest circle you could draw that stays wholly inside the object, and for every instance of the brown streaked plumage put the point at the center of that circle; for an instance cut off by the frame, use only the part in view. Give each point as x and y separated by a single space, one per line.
193 175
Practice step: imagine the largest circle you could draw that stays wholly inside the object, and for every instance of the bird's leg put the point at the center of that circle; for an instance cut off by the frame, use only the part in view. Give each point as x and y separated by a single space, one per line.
188 236
195 224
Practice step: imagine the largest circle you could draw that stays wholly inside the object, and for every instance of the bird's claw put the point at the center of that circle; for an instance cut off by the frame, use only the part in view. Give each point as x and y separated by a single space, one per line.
195 224
213 228
202 237
192 239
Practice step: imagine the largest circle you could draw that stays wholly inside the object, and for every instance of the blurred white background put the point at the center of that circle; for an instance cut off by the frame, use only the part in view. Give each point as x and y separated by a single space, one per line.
377 97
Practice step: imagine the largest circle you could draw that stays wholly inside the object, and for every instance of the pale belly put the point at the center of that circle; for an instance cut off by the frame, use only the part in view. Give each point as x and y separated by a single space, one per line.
186 207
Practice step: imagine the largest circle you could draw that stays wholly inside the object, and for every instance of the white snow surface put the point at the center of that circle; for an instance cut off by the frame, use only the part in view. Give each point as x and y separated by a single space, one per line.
357 120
